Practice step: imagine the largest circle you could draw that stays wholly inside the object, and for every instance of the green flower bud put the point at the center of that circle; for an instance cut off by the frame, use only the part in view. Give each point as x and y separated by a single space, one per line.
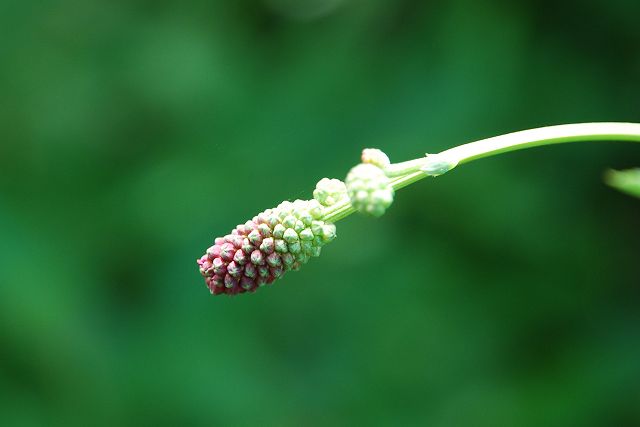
288 259
281 246
316 210
289 221
306 234
278 231
328 232
295 247
290 236
369 189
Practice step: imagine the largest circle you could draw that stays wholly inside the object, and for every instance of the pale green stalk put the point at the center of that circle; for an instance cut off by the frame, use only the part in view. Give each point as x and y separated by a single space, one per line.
407 173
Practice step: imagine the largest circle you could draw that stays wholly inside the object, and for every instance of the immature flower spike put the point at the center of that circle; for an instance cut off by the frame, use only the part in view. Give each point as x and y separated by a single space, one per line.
260 251
369 189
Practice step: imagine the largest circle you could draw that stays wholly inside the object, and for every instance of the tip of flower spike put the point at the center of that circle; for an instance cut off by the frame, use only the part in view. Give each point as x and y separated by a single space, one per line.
369 189
262 250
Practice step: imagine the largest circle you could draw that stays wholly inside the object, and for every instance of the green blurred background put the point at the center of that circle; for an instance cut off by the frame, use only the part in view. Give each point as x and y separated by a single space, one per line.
133 132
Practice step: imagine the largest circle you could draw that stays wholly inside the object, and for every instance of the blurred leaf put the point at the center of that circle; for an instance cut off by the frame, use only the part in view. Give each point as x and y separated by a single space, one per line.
627 181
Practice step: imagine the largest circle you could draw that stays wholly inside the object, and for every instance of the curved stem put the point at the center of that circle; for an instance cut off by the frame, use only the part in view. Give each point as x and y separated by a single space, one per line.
544 136
440 163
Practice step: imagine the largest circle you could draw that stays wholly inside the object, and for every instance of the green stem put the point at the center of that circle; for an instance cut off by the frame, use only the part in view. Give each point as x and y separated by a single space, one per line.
407 173
400 169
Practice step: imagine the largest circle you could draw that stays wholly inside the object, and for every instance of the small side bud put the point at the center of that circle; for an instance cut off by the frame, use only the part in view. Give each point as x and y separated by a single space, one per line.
329 192
375 157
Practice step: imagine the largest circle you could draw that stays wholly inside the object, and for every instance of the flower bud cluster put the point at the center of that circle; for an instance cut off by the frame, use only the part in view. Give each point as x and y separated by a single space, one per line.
330 192
260 251
369 189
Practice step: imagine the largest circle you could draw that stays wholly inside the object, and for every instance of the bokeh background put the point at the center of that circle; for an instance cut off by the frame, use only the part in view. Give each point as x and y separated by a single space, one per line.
506 293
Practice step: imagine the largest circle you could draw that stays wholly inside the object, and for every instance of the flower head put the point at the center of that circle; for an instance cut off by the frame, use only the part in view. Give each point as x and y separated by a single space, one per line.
261 250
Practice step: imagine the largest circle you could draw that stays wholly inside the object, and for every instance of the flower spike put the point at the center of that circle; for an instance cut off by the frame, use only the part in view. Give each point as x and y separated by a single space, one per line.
260 251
